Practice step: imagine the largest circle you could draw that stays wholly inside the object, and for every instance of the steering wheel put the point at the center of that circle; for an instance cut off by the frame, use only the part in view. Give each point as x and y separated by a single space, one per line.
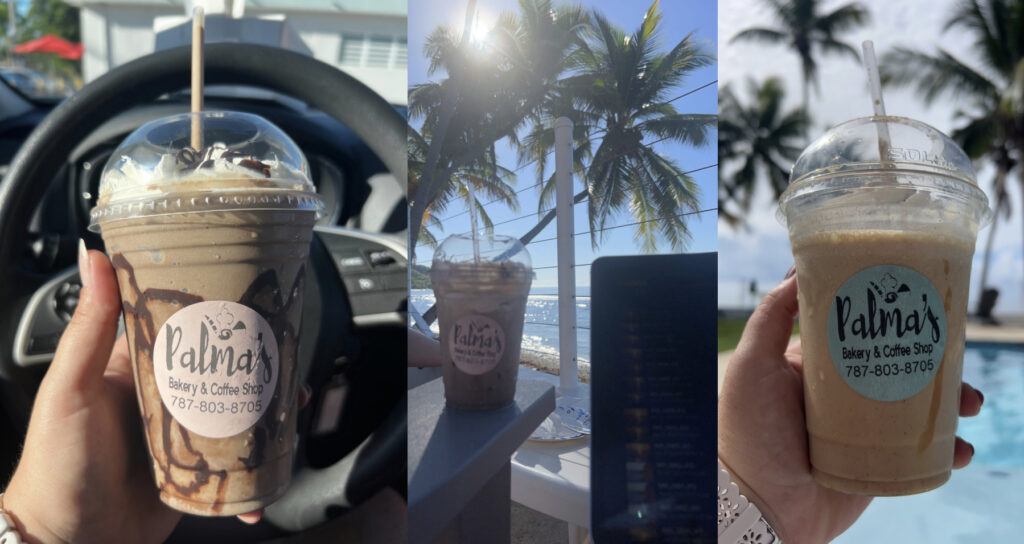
314 492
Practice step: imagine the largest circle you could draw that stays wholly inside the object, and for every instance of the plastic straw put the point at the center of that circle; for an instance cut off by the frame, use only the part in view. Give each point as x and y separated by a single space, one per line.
472 223
875 84
198 26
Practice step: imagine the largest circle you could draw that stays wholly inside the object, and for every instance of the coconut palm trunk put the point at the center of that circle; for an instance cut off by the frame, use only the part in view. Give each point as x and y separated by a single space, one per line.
984 309
430 184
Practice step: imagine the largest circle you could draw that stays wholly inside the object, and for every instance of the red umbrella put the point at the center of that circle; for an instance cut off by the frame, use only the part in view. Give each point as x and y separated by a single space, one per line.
51 44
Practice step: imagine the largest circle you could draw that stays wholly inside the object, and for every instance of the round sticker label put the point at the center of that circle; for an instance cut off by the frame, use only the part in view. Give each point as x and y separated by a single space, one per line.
476 343
887 332
216 367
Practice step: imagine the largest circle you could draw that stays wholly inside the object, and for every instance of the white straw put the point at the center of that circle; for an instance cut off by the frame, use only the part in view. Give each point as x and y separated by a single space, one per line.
472 223
198 25
875 84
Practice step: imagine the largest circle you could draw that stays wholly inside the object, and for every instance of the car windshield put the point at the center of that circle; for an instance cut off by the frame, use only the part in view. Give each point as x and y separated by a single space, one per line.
49 54
36 86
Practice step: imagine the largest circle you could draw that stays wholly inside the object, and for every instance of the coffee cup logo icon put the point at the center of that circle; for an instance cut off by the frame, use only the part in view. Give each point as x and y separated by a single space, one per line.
223 324
889 288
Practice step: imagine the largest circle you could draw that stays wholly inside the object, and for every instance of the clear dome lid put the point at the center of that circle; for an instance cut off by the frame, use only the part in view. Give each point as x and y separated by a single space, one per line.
245 162
879 153
458 249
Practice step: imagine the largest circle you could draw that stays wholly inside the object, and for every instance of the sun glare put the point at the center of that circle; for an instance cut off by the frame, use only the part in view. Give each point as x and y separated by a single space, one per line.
479 34
483 24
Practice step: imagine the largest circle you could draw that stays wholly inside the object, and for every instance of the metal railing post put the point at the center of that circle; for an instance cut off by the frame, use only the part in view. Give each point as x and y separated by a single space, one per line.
567 367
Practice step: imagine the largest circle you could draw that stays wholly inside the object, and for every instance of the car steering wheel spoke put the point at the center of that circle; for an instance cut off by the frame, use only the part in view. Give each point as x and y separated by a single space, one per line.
45 317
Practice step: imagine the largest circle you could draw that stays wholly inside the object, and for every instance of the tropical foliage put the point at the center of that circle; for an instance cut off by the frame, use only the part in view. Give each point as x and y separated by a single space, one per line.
807 31
490 90
756 141
547 61
620 100
990 94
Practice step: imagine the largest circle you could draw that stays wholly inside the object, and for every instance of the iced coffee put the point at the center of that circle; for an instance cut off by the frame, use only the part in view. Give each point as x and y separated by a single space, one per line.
209 247
481 299
882 232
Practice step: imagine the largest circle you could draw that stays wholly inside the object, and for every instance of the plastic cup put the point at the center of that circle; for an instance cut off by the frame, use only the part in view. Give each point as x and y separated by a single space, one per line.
210 248
883 247
480 307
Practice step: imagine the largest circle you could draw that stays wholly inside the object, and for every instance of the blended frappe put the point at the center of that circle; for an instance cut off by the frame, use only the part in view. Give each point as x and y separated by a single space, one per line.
209 248
859 444
165 264
883 213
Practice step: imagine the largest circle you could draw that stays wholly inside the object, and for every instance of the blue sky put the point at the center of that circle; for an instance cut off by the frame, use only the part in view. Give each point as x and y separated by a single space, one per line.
761 253
679 18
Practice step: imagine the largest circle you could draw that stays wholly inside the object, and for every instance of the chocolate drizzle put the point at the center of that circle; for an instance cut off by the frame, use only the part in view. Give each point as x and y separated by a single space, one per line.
264 296
191 159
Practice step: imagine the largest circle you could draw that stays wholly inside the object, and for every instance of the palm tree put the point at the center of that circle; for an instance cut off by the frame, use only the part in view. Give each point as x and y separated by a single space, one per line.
993 92
490 90
486 177
804 29
761 137
621 92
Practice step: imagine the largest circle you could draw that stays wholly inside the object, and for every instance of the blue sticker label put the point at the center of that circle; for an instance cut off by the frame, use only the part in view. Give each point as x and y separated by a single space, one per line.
887 332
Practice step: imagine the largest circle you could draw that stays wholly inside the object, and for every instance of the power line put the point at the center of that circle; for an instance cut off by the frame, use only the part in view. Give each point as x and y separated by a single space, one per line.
553 324
548 154
688 93
688 172
528 215
626 225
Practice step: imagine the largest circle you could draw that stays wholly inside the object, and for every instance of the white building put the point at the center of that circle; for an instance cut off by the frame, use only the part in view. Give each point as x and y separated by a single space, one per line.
365 38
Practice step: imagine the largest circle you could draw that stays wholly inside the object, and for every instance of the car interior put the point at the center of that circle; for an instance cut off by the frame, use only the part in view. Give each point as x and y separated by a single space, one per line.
352 346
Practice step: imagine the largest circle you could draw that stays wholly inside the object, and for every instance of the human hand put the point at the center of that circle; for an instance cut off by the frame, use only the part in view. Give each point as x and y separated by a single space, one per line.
84 473
83 476
762 438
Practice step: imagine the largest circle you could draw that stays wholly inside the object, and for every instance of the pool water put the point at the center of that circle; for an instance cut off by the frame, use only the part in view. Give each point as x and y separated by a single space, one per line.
978 502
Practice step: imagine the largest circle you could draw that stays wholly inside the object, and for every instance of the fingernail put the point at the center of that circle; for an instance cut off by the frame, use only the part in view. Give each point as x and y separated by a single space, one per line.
83 263
792 270
972 448
981 397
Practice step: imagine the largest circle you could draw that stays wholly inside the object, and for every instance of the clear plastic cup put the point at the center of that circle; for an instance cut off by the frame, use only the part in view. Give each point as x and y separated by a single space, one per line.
481 305
209 247
883 233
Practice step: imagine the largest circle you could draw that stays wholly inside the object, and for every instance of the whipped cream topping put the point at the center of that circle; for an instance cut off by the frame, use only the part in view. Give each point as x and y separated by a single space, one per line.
189 170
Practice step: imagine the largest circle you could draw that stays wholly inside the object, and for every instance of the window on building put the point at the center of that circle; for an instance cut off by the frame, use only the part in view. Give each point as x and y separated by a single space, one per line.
374 51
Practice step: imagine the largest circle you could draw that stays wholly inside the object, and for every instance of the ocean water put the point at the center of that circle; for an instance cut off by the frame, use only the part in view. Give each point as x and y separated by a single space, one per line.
540 330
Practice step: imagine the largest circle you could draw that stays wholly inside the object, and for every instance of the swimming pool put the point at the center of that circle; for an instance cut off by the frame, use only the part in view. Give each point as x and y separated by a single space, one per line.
978 504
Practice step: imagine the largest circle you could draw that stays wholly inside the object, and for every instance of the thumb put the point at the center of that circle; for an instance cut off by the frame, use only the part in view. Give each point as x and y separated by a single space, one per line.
85 347
769 328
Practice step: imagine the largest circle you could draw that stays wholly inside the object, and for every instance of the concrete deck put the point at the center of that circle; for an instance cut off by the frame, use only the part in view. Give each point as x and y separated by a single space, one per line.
1008 332
532 527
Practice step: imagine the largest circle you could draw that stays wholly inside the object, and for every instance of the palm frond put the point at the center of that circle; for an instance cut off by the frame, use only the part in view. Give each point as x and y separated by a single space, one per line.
934 75
763 35
686 128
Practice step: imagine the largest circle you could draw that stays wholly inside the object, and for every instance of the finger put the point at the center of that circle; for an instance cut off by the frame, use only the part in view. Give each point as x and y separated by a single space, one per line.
120 365
305 393
963 452
795 355
85 347
970 400
252 517
768 330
